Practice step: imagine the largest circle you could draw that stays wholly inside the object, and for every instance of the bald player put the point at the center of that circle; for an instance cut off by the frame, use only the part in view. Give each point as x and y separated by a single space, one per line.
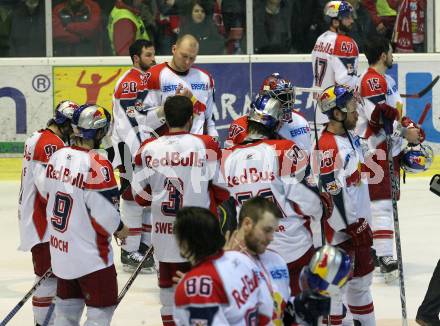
181 77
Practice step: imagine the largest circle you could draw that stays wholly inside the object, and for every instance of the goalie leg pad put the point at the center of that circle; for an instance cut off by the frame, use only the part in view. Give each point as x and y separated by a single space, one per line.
68 312
99 316
383 227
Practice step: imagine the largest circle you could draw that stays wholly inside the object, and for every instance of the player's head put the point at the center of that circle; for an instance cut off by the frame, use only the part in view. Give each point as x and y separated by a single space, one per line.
339 104
279 88
339 14
198 233
417 158
63 118
178 112
378 50
258 220
142 54
91 123
185 52
265 115
328 271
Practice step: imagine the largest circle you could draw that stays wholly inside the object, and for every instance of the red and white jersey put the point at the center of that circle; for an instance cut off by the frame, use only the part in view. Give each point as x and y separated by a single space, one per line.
342 163
294 127
376 88
130 125
334 61
82 211
275 273
38 148
163 82
278 170
176 169
224 289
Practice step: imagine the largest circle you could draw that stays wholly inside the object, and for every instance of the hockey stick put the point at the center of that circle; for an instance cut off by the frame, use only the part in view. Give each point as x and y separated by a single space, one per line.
26 297
423 91
422 118
49 314
394 188
133 276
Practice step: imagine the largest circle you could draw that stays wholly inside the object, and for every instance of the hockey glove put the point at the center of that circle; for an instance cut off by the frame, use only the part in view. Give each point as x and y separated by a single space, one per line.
307 306
360 232
383 115
408 123
327 205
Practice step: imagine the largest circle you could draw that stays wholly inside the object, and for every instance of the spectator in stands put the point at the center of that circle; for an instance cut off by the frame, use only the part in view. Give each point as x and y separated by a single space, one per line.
363 27
234 20
383 13
203 29
307 24
126 25
6 9
77 28
272 19
168 23
410 38
28 31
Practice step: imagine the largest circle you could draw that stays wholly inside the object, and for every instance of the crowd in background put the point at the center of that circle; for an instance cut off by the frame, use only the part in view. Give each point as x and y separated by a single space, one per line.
108 27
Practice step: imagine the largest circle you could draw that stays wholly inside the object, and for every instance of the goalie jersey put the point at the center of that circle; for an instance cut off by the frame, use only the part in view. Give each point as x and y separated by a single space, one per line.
31 204
224 289
82 211
279 171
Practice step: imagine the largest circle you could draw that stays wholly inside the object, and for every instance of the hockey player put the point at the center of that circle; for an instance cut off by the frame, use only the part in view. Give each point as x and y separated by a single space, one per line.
222 288
179 75
82 214
349 225
34 237
381 100
128 133
335 55
278 170
178 168
294 126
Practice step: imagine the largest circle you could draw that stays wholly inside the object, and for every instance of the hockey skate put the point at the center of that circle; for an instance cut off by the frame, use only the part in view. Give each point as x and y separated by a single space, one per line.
388 268
131 260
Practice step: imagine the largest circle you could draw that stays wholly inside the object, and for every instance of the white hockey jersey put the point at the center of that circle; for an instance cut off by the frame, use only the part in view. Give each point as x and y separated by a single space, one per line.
163 82
278 170
223 290
38 148
342 163
174 171
295 127
334 61
82 211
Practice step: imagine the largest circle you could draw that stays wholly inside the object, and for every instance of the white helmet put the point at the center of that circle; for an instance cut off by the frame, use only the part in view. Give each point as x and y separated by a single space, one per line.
89 119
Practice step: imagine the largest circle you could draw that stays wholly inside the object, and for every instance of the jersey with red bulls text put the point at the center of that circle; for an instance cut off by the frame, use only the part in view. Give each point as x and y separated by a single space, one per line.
223 289
164 81
342 163
376 88
176 170
82 211
334 61
275 274
130 123
279 171
294 127
38 148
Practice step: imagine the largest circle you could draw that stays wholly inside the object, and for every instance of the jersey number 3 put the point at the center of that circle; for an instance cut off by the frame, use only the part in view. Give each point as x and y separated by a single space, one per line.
174 186
61 211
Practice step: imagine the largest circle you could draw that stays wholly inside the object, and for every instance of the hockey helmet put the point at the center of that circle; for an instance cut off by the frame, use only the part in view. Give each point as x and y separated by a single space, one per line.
335 97
328 271
337 9
417 158
266 111
64 111
280 89
89 119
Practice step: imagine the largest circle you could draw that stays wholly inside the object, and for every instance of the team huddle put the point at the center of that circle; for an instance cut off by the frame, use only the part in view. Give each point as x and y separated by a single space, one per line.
272 228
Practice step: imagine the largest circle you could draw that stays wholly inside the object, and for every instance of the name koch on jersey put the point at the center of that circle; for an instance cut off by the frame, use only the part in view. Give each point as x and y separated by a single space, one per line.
223 290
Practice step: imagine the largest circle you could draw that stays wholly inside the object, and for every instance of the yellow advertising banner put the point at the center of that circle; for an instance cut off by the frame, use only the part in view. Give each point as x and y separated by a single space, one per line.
86 84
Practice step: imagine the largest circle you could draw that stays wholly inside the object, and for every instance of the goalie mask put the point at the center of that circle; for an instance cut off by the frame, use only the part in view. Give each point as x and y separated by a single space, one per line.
417 158
266 111
280 89
328 271
91 122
